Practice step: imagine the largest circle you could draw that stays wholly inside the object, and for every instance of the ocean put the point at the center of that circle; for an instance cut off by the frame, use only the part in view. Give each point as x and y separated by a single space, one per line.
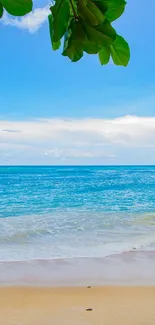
80 213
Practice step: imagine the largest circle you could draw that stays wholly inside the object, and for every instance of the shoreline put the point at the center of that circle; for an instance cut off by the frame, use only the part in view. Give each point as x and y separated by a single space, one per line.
107 305
131 268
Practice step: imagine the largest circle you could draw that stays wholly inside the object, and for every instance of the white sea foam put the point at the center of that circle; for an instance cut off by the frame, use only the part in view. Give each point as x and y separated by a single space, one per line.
69 235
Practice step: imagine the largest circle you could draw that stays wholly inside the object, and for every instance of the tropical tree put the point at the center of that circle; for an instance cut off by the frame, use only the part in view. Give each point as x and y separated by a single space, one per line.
79 26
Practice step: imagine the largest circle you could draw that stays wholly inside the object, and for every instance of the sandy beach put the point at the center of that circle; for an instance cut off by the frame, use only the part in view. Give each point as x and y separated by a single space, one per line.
67 306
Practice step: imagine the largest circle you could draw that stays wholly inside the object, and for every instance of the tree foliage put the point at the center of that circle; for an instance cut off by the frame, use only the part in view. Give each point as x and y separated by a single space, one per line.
79 26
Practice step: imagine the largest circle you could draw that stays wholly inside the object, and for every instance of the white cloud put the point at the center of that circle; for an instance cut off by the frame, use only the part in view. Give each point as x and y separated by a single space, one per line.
75 153
31 22
128 139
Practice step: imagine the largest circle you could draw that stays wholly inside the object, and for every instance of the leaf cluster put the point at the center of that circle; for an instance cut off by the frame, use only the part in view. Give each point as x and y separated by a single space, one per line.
86 26
81 26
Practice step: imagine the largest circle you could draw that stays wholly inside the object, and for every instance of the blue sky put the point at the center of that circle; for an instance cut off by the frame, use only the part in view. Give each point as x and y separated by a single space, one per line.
38 84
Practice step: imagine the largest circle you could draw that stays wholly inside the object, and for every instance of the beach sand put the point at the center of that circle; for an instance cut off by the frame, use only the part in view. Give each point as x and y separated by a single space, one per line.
67 306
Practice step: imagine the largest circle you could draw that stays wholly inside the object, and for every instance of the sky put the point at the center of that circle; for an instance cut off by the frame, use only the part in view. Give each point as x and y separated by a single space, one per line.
53 111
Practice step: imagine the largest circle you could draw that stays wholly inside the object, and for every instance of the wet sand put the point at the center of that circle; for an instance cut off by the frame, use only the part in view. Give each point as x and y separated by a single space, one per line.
67 306
129 268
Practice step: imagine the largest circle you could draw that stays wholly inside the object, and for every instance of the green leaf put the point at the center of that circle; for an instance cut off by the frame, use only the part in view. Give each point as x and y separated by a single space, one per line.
77 31
107 30
101 5
96 11
17 7
102 35
74 51
86 14
55 45
91 48
115 9
74 41
90 13
1 10
61 13
112 9
104 55
120 51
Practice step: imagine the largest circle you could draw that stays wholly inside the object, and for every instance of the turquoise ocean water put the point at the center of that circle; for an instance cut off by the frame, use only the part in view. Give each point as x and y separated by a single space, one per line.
75 212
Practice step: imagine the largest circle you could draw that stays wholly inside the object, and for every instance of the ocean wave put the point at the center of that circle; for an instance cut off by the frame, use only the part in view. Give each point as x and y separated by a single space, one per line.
38 237
23 236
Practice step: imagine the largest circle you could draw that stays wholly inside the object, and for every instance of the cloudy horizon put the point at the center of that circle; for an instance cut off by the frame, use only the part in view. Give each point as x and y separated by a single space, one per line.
125 140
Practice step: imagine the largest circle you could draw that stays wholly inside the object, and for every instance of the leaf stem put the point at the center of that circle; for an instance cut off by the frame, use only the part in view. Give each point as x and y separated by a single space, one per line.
73 9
